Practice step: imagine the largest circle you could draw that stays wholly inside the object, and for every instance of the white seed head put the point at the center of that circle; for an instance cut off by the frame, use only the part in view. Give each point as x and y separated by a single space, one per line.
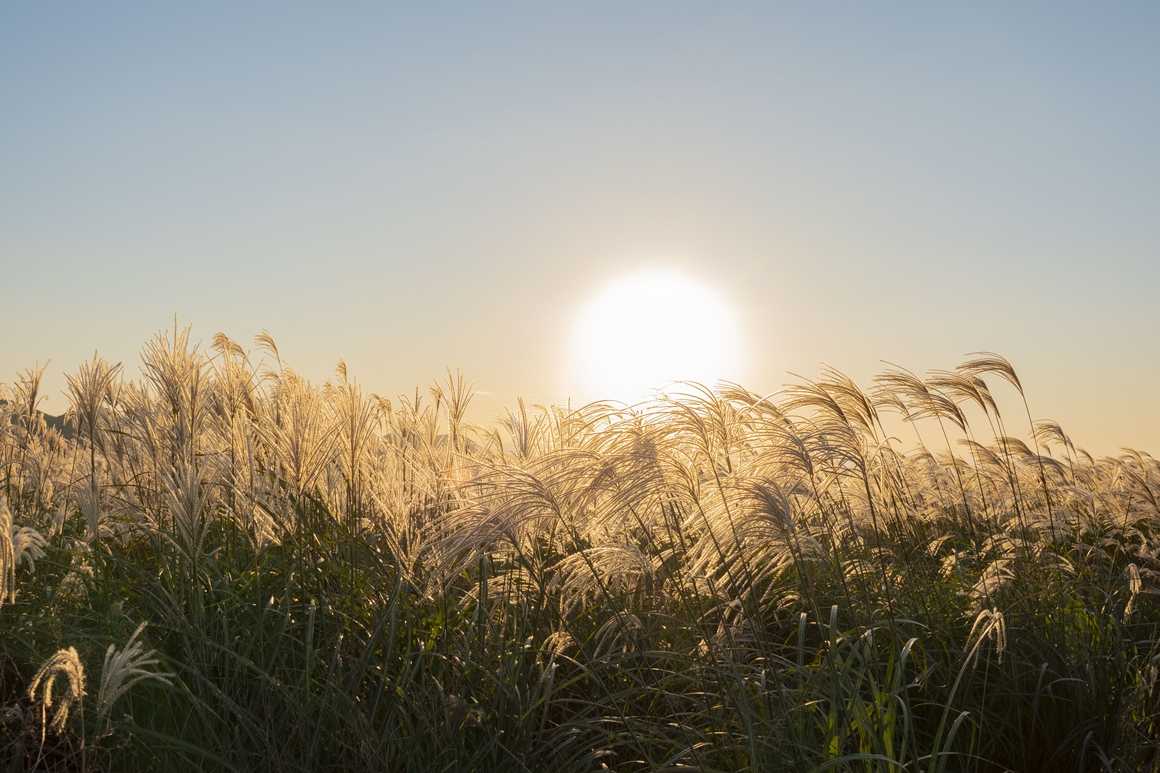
7 555
64 663
28 546
124 669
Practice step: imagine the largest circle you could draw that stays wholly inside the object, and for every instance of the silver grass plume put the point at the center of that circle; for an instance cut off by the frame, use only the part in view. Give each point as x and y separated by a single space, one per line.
89 501
28 546
124 669
990 623
27 395
1135 585
989 362
64 663
7 555
90 393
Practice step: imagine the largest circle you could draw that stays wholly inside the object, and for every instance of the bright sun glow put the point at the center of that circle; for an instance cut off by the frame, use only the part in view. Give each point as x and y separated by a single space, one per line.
646 330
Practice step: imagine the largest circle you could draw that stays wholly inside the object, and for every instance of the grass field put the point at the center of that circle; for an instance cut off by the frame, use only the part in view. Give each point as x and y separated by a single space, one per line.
714 581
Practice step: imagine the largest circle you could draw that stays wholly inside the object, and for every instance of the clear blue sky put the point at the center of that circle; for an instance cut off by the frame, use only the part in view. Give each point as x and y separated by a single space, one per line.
409 187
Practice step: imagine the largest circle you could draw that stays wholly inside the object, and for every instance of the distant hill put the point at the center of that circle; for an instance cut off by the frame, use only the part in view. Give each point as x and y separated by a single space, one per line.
66 428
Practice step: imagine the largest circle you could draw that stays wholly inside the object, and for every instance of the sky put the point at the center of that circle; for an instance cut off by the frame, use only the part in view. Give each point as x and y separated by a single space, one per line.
411 187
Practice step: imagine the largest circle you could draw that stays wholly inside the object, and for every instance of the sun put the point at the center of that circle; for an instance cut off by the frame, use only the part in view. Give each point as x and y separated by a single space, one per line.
645 330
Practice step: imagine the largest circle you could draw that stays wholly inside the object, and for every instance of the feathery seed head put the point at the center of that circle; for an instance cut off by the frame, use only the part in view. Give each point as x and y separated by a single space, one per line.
64 663
124 669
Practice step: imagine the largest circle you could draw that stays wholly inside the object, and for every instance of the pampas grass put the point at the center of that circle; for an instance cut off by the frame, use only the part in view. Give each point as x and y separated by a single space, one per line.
713 580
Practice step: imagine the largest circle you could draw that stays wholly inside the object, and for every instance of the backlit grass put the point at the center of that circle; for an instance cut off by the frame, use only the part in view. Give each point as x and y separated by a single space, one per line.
713 581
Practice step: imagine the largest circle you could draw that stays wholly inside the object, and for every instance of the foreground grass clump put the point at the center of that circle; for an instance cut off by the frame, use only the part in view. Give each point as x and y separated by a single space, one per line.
226 568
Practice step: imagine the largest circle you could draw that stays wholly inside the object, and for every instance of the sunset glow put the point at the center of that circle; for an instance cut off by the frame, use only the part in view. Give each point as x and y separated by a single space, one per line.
646 330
